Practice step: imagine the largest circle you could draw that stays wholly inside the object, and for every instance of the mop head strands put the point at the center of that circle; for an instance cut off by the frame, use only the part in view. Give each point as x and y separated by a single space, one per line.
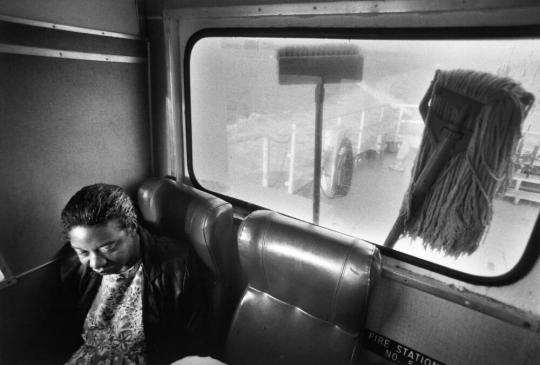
457 208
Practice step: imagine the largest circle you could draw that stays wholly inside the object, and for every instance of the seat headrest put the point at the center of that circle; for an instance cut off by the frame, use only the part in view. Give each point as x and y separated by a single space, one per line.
300 263
182 212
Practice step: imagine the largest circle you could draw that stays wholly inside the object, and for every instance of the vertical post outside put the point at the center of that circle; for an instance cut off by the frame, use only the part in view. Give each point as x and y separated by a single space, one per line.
319 100
398 127
265 162
359 145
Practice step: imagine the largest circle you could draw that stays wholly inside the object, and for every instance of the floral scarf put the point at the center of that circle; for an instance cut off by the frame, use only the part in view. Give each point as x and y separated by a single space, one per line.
113 329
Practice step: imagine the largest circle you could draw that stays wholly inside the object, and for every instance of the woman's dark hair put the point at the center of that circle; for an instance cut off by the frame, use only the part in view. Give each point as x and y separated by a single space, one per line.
96 205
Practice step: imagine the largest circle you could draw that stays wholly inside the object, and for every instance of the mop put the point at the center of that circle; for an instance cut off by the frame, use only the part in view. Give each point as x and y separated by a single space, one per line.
473 123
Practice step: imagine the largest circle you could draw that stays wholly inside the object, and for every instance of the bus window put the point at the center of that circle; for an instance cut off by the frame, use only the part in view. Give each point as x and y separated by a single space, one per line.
252 137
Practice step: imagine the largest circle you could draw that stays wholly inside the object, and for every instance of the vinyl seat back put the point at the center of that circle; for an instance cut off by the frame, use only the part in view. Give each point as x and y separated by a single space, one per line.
206 222
307 294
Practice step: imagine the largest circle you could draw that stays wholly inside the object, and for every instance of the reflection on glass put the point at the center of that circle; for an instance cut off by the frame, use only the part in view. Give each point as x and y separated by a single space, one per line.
253 139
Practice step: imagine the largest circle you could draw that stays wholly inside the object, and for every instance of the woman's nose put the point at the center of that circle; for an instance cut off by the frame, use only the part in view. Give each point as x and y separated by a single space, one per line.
97 261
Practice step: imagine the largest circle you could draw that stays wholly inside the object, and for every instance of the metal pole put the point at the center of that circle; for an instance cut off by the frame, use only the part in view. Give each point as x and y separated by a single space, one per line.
319 100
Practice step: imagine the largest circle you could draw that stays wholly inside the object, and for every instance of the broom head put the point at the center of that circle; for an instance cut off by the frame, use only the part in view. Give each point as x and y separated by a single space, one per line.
309 64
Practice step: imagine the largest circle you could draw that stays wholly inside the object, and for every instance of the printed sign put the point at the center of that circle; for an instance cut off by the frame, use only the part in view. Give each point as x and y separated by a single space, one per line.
395 352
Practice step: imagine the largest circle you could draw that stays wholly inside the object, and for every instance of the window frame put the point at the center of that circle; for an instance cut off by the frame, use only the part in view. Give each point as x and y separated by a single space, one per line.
531 252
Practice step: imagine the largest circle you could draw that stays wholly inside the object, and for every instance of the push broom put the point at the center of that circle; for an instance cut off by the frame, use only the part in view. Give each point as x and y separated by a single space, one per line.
473 123
319 65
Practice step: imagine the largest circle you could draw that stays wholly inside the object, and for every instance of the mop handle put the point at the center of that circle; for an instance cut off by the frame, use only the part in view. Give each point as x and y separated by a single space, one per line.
437 161
441 155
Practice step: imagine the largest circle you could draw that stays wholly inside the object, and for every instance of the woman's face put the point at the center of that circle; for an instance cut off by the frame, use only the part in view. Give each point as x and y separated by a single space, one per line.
107 249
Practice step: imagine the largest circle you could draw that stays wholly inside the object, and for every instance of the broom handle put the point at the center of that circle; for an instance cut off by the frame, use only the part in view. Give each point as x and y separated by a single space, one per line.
395 232
435 164
319 100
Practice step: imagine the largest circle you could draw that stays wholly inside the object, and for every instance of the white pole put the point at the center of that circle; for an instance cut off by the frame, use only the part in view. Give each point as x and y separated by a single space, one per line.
380 147
399 121
292 153
265 162
359 145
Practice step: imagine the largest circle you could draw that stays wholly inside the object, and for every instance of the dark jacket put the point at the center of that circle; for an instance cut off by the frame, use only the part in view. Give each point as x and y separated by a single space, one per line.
175 298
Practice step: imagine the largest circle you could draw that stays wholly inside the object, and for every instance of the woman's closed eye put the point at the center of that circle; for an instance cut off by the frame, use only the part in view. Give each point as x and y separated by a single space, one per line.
109 247
81 253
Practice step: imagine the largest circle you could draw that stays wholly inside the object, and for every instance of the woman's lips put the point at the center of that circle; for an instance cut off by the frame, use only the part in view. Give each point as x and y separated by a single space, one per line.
106 271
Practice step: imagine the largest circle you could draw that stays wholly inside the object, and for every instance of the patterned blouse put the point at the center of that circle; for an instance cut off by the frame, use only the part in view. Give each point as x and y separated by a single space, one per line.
113 329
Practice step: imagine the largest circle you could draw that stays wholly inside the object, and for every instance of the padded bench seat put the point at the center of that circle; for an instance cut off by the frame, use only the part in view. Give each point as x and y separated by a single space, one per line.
307 294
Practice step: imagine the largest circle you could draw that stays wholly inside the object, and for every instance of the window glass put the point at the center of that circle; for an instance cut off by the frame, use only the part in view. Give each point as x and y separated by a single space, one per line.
254 138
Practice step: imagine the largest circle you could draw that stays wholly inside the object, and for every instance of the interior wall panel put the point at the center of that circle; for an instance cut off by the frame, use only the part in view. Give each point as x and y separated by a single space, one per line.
65 123
445 331
24 307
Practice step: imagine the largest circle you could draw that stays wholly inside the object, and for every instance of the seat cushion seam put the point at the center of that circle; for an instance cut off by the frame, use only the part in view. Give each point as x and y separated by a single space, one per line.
263 251
333 309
